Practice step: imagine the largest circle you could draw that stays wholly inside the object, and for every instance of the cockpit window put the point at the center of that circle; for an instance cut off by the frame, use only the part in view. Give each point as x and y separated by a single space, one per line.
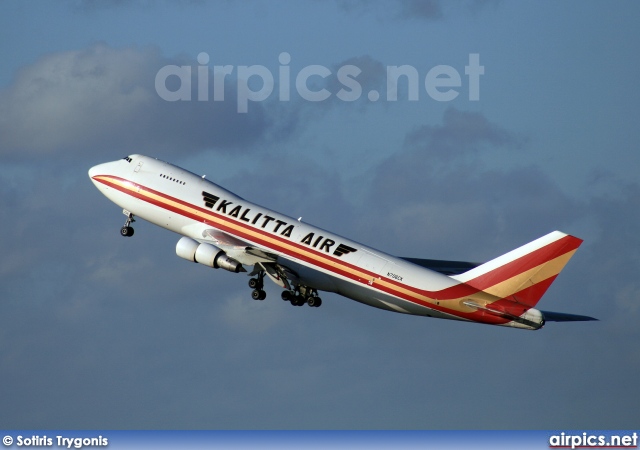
126 158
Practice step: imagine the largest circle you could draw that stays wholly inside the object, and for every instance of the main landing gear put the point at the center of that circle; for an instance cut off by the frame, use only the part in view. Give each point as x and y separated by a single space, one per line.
298 296
127 229
301 296
257 284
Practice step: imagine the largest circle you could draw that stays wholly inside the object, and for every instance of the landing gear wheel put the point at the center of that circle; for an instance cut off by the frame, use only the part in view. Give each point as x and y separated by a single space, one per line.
263 295
127 230
298 300
254 283
287 296
258 294
314 301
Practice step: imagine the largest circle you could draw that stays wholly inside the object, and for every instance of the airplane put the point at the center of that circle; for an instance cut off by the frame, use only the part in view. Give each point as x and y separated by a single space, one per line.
222 230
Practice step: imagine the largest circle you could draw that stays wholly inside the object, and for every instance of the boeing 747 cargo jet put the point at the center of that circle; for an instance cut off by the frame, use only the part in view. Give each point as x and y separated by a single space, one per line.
222 230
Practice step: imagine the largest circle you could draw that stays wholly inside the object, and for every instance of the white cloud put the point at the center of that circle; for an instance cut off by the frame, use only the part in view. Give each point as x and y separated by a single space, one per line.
103 98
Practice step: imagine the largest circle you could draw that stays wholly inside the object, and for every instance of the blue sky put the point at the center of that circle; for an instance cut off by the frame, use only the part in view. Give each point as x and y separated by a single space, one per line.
102 332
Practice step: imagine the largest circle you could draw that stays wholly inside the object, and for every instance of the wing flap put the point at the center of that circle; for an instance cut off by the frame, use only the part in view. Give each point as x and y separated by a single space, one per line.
280 275
244 252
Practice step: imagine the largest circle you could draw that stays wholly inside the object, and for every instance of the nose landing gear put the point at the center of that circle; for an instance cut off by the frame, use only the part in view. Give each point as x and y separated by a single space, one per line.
127 229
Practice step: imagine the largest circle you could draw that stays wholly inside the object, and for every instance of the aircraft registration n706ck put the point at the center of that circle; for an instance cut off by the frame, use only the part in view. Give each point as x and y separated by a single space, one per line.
222 230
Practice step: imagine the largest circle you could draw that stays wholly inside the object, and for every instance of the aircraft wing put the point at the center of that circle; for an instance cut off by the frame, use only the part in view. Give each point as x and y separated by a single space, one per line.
250 255
242 251
442 266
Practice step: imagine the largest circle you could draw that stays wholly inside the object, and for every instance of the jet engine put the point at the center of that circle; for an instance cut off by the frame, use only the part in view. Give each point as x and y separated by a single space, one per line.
206 254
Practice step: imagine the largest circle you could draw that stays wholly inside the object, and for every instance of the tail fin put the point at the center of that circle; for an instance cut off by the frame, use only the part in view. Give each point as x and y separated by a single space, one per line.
523 275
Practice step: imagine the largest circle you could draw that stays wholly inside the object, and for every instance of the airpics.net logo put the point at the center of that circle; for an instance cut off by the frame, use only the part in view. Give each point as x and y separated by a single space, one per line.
591 440
256 83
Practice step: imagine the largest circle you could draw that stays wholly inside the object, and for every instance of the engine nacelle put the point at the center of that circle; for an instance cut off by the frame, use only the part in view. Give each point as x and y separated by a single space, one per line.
186 249
206 254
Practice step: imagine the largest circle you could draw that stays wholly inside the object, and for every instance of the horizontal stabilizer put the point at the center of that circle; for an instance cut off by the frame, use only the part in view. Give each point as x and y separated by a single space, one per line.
551 316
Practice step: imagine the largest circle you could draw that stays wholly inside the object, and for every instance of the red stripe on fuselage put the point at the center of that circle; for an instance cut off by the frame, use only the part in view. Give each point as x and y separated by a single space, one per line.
234 231
333 264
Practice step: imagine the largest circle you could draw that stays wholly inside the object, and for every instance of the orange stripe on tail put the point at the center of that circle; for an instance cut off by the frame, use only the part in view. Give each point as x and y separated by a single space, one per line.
518 279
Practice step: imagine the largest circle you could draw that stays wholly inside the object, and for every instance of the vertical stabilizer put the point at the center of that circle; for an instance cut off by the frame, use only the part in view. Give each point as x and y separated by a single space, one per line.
523 275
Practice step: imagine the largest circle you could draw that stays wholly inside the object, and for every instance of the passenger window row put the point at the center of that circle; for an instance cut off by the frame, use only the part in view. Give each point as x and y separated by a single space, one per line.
172 179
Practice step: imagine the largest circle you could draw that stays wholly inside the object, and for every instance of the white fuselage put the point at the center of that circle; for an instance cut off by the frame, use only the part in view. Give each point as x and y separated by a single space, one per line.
190 205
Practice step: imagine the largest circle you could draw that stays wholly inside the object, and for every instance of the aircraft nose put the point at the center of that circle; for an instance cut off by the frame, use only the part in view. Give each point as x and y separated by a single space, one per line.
97 170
